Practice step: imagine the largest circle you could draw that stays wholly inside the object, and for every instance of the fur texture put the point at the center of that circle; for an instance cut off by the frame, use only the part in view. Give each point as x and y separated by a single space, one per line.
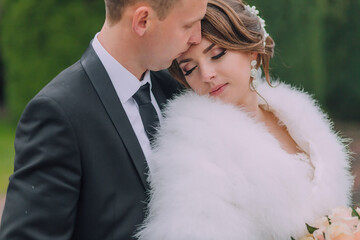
216 173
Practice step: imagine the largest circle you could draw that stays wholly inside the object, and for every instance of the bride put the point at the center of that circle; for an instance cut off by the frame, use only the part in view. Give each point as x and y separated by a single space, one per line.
238 157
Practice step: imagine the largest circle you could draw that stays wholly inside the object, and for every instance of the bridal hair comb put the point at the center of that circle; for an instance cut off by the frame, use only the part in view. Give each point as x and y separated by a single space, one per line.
255 12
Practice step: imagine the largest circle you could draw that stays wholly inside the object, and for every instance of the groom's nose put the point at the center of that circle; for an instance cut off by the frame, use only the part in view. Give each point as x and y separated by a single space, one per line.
195 37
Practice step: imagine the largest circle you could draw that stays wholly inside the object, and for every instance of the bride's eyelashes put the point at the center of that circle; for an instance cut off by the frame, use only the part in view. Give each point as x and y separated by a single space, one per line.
217 56
187 73
223 52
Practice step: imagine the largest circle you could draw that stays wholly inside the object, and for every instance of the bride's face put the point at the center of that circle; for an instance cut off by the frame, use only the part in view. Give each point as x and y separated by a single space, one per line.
210 69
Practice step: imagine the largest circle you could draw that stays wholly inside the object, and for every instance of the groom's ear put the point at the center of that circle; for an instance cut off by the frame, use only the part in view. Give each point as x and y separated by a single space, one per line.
141 17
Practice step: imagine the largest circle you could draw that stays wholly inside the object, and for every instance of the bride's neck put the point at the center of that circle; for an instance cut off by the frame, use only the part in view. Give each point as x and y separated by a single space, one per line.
252 106
260 114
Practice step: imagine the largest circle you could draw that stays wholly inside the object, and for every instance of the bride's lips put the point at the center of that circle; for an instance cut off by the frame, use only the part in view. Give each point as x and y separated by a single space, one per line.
217 90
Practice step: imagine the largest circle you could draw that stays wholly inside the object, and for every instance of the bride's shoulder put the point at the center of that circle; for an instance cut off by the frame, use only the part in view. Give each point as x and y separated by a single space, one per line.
283 95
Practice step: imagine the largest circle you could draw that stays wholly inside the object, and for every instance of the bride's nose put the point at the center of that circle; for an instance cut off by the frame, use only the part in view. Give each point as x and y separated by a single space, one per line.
208 73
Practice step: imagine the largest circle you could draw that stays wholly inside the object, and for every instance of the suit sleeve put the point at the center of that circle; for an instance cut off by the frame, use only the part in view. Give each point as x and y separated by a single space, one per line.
44 188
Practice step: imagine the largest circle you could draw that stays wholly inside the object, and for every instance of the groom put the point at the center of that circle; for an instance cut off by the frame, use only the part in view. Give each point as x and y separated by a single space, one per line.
81 147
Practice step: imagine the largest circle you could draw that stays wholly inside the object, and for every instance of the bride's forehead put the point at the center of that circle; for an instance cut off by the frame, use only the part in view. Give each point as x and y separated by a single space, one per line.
204 43
202 47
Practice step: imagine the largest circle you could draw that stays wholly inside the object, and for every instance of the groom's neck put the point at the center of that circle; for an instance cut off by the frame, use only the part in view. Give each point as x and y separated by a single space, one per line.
119 41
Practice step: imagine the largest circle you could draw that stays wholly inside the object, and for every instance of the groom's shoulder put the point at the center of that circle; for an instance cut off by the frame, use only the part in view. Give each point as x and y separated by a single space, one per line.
163 77
71 75
70 79
166 82
70 89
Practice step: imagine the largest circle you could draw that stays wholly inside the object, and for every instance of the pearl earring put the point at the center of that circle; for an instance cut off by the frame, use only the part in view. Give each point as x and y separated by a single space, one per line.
253 75
254 71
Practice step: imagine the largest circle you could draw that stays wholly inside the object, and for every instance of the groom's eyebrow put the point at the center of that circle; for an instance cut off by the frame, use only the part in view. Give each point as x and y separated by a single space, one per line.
206 50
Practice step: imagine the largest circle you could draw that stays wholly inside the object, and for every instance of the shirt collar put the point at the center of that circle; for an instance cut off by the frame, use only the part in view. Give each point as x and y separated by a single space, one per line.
125 83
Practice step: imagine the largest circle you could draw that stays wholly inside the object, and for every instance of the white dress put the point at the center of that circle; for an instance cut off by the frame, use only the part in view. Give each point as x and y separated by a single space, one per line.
216 173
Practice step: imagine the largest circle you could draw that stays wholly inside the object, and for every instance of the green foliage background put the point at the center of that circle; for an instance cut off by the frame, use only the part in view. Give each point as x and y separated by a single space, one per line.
39 39
7 153
317 46
297 28
343 58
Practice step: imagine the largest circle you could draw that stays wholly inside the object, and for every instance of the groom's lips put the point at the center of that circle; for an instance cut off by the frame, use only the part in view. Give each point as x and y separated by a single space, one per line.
217 90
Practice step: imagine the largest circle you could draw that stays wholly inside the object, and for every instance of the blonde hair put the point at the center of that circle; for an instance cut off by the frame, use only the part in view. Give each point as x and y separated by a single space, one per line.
229 25
115 8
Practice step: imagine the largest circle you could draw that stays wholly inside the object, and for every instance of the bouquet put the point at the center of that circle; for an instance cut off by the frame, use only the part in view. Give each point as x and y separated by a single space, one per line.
342 224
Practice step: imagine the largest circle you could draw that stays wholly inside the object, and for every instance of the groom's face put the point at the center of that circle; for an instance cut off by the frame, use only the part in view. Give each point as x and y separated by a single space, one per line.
176 33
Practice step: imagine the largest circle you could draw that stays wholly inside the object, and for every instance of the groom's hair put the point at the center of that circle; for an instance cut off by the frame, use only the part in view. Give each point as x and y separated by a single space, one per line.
115 8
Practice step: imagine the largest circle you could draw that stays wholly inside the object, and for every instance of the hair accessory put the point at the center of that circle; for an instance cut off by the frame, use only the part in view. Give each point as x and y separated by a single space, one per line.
253 75
255 12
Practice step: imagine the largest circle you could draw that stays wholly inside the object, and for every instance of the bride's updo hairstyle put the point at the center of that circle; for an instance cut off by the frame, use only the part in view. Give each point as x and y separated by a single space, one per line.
230 25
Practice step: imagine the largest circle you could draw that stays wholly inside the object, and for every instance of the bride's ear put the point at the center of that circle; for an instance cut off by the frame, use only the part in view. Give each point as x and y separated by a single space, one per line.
140 20
254 55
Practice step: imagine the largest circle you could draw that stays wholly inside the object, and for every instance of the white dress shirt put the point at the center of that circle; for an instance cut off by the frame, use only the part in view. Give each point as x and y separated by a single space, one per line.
126 85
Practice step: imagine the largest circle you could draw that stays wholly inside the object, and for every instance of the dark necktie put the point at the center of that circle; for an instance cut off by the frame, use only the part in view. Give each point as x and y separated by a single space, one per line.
147 111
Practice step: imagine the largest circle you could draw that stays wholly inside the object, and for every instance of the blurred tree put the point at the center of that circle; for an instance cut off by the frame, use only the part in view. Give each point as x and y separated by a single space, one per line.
342 58
2 84
39 39
297 29
317 46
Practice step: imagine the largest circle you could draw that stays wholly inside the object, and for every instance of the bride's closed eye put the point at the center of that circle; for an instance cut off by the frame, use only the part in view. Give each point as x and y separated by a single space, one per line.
188 72
217 56
216 53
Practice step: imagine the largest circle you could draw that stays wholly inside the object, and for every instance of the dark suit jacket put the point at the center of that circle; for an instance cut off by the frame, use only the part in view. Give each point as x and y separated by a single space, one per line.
80 172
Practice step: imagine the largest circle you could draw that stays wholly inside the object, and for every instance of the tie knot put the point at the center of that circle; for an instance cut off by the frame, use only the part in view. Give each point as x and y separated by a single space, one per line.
142 96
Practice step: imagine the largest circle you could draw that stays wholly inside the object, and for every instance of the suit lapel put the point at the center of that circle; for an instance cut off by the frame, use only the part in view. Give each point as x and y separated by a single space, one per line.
103 85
